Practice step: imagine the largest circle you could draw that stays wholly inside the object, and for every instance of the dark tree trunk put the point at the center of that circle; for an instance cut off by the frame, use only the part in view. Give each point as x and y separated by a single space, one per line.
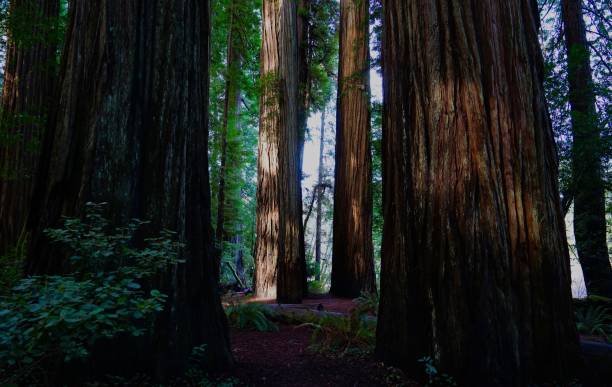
279 259
303 26
130 129
29 79
353 262
475 269
230 120
587 183
320 194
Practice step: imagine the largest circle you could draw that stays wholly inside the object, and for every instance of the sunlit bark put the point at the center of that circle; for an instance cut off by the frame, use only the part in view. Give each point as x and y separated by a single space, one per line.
475 266
279 258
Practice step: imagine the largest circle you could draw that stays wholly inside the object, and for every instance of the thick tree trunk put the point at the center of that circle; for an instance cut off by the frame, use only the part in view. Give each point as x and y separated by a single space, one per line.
279 258
475 269
353 262
29 78
320 192
587 184
130 129
230 120
303 27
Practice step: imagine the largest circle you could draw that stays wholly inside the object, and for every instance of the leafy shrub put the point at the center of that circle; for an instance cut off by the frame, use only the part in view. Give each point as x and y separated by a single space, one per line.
49 319
594 320
250 316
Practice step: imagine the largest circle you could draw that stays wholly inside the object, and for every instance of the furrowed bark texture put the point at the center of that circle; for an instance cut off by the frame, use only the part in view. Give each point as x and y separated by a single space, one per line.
587 184
279 258
353 262
475 269
230 121
130 129
29 77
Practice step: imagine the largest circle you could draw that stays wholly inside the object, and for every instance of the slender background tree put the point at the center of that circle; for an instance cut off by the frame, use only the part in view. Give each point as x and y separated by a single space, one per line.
587 185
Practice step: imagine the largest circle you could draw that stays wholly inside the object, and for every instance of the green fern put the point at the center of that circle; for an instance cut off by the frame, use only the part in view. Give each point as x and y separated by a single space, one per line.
594 320
251 316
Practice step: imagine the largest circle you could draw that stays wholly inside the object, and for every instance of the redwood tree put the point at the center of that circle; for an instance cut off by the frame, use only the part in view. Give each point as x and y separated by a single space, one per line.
353 262
587 184
475 269
130 129
279 259
29 77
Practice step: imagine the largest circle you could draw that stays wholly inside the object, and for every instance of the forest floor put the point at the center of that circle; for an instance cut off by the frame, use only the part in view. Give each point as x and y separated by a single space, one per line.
286 357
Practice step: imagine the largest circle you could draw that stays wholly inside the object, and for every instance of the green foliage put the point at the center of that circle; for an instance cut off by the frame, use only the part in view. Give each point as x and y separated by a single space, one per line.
250 316
316 287
434 377
367 303
343 335
46 320
594 320
238 22
323 16
11 263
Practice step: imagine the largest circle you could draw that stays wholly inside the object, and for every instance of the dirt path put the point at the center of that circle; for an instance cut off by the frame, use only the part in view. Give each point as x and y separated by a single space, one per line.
283 359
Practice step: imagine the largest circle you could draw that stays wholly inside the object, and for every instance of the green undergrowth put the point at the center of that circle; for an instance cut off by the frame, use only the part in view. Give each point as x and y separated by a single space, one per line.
251 316
48 321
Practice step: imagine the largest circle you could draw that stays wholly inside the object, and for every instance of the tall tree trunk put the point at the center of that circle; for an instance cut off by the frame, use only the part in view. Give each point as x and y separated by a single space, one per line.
353 262
230 119
304 102
303 27
279 258
587 184
29 78
475 269
320 192
130 129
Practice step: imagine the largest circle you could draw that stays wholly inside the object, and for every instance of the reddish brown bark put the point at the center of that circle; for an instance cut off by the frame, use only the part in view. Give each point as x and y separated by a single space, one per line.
279 258
475 269
29 78
353 262
130 129
587 184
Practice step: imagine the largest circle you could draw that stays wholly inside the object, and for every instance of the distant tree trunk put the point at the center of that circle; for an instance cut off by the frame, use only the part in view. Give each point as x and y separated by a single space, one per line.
29 79
587 183
320 192
230 118
475 265
279 258
239 257
353 262
130 129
